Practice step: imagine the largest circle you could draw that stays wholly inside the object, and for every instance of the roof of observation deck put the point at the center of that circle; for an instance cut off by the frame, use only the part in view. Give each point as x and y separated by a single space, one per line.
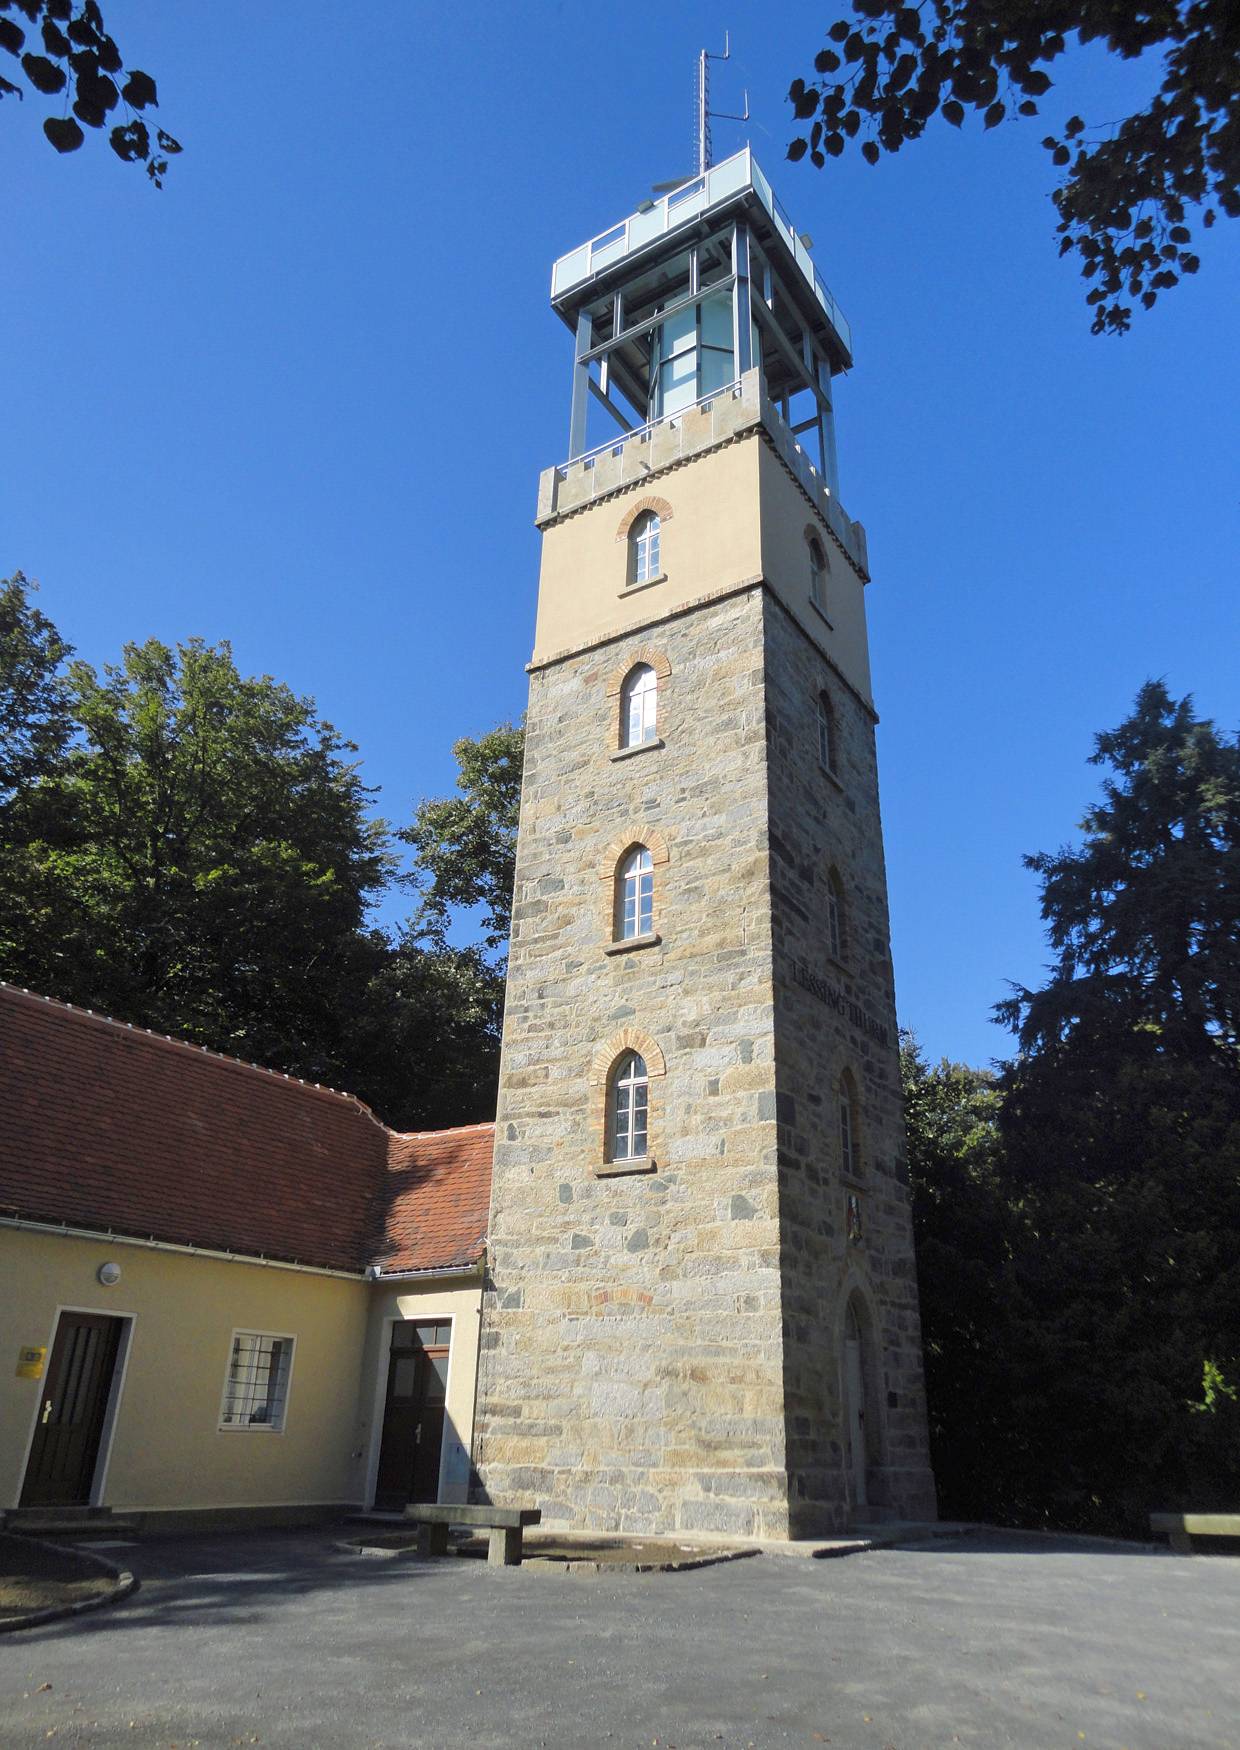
737 183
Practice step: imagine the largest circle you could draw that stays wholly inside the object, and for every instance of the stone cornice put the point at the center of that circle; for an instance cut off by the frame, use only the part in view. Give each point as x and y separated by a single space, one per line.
756 429
704 601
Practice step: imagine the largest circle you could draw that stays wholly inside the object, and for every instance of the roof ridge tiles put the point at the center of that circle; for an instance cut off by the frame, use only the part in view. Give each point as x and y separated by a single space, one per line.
164 1040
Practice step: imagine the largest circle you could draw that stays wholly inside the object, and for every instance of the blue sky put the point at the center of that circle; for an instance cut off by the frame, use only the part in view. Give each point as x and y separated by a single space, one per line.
300 399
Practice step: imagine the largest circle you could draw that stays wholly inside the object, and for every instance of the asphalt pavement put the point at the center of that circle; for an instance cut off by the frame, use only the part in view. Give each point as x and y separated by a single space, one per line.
284 1640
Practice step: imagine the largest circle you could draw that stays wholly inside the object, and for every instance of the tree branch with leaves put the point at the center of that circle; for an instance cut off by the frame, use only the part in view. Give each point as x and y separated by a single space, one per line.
68 53
1124 199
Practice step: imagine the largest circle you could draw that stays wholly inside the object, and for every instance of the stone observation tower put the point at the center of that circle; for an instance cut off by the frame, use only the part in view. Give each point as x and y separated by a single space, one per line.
701 1308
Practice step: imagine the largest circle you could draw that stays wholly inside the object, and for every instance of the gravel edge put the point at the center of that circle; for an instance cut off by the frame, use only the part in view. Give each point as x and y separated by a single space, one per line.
125 1583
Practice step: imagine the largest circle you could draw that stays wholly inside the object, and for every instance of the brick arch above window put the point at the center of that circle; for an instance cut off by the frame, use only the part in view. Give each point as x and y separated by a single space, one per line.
650 836
661 508
654 659
626 1040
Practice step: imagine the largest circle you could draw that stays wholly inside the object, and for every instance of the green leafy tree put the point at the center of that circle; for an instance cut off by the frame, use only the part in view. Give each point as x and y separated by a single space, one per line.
1145 916
203 860
63 50
193 851
1121 1139
966 1234
466 845
35 720
1127 186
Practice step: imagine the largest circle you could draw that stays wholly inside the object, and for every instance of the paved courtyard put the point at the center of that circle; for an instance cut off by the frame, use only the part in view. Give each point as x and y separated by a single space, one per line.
283 1640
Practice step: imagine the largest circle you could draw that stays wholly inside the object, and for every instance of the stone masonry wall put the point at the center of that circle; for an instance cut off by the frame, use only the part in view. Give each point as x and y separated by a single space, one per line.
631 1374
833 1015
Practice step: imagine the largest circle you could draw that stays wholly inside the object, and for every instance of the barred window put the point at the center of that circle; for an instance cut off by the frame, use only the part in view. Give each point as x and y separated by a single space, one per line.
629 1109
256 1390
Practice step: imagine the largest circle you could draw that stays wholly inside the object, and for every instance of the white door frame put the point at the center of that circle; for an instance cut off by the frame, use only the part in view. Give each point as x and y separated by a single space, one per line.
111 1414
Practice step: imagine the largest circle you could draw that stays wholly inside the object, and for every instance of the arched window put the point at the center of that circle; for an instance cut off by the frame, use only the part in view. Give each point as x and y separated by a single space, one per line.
835 915
826 734
850 1131
817 573
644 548
635 894
628 1109
638 706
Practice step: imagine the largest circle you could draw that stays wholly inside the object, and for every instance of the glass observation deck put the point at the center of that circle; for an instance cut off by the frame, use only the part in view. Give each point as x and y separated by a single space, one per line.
691 292
733 180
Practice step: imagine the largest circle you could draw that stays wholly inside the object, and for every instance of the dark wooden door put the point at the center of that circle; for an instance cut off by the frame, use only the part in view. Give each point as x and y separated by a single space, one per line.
61 1466
413 1416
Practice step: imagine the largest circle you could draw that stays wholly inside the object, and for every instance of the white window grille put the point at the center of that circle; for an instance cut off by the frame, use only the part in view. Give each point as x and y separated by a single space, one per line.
639 706
849 1154
629 1109
256 1389
636 896
644 549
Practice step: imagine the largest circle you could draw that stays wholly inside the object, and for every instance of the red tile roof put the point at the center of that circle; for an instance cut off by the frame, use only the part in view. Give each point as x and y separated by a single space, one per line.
111 1128
437 1198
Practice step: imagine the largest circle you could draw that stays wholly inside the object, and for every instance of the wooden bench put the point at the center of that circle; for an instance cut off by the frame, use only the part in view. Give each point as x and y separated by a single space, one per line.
1182 1528
505 1524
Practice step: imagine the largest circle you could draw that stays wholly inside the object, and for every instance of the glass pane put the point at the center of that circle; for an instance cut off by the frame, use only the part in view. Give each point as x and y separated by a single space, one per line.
404 1376
678 333
436 1379
717 322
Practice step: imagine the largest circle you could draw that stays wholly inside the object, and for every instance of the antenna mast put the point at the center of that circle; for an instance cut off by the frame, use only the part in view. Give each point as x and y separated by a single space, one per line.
704 111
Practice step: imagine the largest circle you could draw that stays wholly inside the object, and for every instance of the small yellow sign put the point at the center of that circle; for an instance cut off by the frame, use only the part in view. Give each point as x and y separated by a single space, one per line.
30 1363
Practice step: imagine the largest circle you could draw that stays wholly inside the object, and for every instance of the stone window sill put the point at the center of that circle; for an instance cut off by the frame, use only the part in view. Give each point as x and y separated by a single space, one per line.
646 583
853 1182
626 753
833 776
822 615
650 939
618 1169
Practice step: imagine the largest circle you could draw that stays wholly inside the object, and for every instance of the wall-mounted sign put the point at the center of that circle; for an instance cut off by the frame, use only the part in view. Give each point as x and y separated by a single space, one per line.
30 1363
834 998
852 1211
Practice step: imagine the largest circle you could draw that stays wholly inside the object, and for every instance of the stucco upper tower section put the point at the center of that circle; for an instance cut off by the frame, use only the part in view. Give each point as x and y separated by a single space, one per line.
738 503
705 332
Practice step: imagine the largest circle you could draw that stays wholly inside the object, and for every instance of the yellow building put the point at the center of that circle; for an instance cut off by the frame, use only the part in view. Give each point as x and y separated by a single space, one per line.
225 1294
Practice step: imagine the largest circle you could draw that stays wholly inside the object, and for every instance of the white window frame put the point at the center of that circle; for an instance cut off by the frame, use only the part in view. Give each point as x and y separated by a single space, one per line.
639 706
644 540
635 894
257 1427
623 1104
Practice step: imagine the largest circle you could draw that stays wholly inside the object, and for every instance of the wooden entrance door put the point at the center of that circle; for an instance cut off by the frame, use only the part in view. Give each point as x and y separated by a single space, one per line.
413 1415
61 1468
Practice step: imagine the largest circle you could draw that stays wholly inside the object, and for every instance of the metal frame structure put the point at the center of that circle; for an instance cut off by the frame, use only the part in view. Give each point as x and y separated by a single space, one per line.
721 234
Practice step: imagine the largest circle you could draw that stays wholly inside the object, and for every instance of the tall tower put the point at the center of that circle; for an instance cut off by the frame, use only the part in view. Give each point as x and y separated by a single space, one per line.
701 1310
